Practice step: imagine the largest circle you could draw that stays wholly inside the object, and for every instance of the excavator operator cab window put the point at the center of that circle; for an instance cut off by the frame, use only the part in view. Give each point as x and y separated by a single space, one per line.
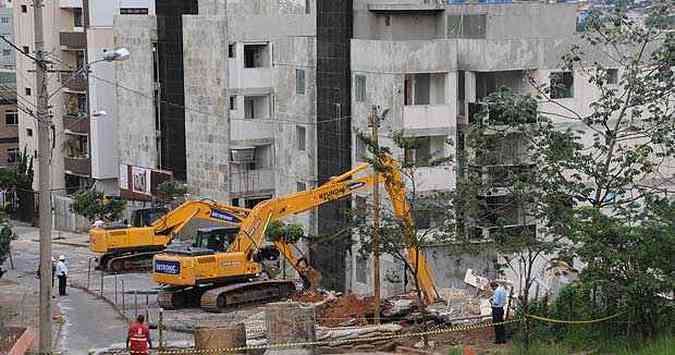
215 239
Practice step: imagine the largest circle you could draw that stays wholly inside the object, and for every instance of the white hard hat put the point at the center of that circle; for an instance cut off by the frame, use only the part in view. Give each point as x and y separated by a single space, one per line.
62 258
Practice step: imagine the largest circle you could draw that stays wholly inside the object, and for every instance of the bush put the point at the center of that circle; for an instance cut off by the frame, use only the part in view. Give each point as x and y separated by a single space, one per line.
93 204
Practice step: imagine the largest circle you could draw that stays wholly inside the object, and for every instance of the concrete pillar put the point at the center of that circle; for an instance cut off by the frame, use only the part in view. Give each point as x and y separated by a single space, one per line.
290 322
221 337
469 89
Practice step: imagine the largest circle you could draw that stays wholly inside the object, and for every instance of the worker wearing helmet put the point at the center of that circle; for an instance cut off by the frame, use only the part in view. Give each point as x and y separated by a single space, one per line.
62 274
138 337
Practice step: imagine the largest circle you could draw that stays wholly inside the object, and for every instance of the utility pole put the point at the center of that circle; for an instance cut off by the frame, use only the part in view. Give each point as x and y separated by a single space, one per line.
374 122
44 156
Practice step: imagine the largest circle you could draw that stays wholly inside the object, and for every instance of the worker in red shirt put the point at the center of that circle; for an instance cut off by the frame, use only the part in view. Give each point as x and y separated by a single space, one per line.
139 337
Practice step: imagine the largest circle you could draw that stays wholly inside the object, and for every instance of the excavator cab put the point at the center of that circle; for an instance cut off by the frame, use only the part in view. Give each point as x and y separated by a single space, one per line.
146 216
217 239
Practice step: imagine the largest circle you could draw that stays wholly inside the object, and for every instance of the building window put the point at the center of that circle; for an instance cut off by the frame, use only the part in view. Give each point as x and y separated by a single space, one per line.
562 85
11 118
300 133
77 17
5 19
257 107
360 88
28 91
26 50
233 103
29 132
256 55
419 153
232 50
77 146
12 154
134 11
300 186
24 8
362 269
612 76
299 81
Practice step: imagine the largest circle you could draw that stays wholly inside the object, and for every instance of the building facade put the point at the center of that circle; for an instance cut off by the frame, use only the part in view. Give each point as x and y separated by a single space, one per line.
82 102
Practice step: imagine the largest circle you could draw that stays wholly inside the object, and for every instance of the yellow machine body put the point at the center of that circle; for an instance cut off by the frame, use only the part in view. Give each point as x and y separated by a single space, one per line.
236 263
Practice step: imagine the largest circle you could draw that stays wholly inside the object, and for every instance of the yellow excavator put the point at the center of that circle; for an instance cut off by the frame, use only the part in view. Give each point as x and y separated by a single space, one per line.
217 280
125 248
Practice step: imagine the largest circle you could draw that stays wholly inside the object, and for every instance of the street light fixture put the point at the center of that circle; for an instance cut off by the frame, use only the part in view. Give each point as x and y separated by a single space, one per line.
116 55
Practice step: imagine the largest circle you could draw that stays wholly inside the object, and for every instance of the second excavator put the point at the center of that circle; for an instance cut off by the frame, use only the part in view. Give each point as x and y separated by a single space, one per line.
124 248
217 279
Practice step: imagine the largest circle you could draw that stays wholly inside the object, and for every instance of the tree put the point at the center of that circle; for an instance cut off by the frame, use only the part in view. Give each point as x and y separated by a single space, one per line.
6 236
587 183
431 210
507 191
93 204
23 171
171 190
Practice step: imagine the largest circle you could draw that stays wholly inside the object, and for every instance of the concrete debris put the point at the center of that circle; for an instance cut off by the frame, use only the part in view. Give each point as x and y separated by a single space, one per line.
399 308
475 280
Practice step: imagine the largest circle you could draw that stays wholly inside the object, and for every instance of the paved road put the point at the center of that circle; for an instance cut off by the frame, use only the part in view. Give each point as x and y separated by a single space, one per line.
89 323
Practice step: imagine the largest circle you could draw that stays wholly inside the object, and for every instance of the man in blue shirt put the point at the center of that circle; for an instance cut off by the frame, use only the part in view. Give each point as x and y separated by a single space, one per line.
498 303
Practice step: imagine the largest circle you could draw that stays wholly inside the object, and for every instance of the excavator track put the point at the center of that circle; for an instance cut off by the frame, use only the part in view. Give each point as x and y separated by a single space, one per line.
179 298
221 298
128 262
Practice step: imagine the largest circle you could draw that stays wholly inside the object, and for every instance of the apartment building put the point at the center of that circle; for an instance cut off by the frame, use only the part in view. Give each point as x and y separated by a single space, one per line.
231 91
82 102
9 139
431 64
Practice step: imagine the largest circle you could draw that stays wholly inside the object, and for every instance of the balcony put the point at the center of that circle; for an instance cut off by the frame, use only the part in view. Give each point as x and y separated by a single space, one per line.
499 178
77 83
70 4
419 8
78 166
434 178
246 182
251 129
76 122
73 40
428 119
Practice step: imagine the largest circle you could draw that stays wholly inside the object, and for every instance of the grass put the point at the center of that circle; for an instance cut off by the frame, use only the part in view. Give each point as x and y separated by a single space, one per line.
661 346
664 345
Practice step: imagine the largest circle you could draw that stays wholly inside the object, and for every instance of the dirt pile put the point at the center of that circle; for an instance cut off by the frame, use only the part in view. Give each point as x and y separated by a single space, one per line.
348 309
309 296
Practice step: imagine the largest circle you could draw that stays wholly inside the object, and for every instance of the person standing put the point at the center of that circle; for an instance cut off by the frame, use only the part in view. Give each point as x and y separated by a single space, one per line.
138 337
498 302
62 274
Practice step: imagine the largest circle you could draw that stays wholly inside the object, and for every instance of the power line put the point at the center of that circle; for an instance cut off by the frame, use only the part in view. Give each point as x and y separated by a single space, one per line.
11 44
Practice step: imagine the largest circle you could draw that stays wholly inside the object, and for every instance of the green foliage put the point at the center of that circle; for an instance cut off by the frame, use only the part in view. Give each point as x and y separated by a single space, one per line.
291 233
23 178
172 189
93 204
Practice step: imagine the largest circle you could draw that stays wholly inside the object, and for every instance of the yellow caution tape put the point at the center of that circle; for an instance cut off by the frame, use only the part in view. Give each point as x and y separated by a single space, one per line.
455 329
333 342
574 321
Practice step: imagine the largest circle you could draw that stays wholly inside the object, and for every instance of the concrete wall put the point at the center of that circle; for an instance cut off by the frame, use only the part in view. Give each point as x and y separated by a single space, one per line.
207 132
103 132
522 21
135 103
294 110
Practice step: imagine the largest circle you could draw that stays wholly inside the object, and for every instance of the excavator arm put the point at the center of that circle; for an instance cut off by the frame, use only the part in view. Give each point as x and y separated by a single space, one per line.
252 229
174 221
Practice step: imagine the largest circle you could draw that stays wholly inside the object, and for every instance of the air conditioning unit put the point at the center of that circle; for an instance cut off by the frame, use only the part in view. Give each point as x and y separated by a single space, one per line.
242 154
